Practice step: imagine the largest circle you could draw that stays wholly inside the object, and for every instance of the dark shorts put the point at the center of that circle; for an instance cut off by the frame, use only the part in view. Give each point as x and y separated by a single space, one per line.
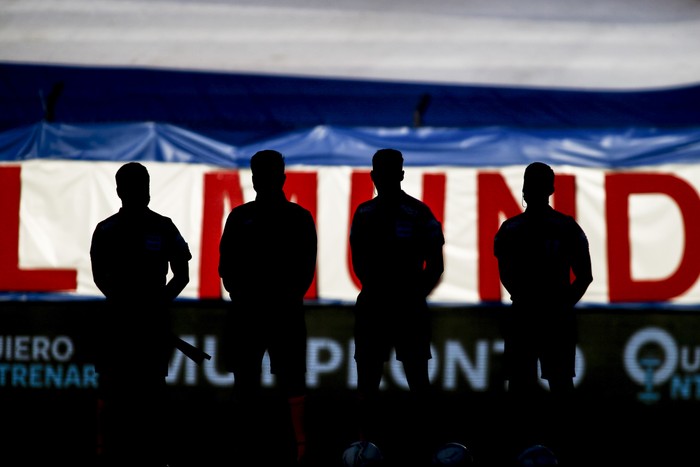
379 328
532 337
131 343
249 333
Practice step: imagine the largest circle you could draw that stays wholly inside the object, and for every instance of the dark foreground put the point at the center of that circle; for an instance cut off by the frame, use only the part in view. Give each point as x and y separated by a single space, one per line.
43 430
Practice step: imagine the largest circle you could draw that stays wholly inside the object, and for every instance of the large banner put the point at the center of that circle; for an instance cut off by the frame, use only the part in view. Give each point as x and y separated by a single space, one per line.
640 213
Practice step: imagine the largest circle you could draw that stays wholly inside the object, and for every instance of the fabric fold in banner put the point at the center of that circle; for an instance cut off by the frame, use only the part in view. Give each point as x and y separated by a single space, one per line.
612 148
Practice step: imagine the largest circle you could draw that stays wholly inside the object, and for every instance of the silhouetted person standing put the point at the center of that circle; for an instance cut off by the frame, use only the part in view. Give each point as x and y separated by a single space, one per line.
538 251
132 252
396 244
267 262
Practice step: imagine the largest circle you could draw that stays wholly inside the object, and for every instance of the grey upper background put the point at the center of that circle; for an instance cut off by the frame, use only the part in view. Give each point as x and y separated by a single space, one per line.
584 44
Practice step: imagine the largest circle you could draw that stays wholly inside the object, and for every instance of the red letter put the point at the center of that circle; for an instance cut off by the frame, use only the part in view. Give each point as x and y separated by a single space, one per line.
11 277
494 199
623 288
434 195
564 199
302 188
217 187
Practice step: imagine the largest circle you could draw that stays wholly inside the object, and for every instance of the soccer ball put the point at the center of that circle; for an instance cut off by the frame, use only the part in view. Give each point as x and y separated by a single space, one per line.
362 454
537 455
455 454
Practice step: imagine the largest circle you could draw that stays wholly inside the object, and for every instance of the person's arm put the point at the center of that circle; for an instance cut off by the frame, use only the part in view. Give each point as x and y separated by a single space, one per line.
434 267
434 260
180 279
100 277
309 255
358 254
505 262
581 267
226 245
180 257
98 260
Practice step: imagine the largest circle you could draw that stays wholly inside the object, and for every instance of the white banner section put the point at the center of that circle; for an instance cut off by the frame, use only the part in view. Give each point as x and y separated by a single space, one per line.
642 224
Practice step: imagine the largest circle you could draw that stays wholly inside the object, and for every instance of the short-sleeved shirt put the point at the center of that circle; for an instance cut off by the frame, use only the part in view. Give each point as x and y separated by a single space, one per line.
537 251
131 252
390 240
267 263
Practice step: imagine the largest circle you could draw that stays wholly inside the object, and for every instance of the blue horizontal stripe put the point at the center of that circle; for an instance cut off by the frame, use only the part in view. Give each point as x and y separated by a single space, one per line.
332 146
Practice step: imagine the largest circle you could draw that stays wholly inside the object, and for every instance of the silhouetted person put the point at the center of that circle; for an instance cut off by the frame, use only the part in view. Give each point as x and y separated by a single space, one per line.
396 244
131 254
267 262
538 251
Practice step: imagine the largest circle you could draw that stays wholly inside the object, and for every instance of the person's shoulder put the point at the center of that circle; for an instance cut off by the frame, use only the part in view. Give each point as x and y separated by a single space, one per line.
567 223
154 216
243 209
513 222
108 223
297 213
414 204
563 218
559 214
161 223
297 208
366 206
408 199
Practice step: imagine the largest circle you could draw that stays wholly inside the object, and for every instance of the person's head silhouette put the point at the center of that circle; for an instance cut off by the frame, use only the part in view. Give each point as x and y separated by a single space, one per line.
268 171
538 184
133 185
387 171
